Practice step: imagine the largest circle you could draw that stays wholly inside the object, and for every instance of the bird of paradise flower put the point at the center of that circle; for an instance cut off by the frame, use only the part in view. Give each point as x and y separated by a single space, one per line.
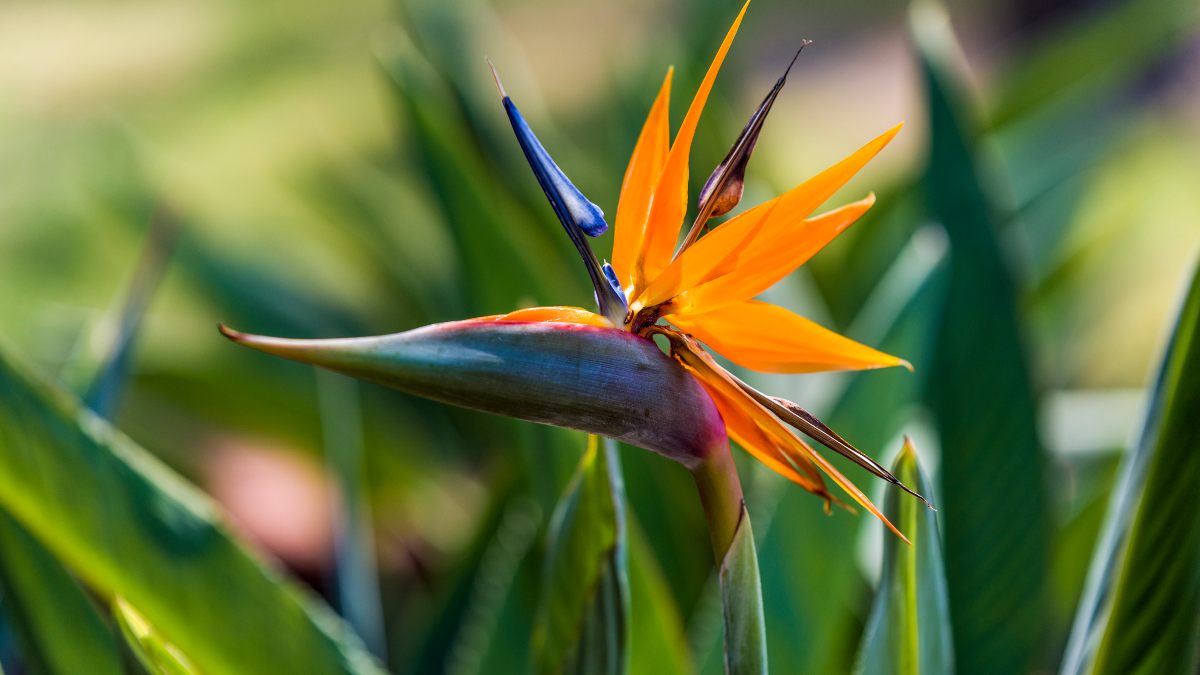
598 371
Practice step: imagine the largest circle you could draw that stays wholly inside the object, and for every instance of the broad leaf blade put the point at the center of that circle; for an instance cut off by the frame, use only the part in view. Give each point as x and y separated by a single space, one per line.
128 526
909 628
59 628
582 624
1141 610
993 502
658 646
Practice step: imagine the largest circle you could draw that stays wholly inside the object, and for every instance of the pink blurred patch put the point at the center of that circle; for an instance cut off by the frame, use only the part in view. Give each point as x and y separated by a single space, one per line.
278 498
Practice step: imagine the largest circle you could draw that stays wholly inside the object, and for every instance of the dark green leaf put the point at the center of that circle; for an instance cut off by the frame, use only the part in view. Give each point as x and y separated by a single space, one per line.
981 393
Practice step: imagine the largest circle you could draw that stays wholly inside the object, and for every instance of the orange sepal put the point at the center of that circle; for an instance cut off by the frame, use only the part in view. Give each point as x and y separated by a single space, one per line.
765 227
669 204
768 338
552 315
637 188
798 453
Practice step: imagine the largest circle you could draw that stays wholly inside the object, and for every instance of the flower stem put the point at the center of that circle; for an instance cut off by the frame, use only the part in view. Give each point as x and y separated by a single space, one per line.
733 547
721 495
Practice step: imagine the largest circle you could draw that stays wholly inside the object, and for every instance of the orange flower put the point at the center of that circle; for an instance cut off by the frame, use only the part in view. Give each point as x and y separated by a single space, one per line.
704 291
531 362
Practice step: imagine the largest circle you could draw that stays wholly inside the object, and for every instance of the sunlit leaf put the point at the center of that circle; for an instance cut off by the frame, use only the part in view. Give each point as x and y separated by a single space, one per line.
59 628
128 526
1140 611
156 655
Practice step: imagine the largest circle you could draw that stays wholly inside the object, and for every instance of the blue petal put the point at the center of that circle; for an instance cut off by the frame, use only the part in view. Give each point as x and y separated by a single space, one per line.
611 275
572 208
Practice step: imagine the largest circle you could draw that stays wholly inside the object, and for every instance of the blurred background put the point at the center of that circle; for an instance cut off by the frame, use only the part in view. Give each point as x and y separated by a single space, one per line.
329 169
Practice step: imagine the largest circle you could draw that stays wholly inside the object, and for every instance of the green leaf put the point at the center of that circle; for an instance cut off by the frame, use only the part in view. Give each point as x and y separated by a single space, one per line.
58 626
658 643
485 221
980 390
1141 608
156 655
909 628
354 545
1111 46
128 526
742 604
582 623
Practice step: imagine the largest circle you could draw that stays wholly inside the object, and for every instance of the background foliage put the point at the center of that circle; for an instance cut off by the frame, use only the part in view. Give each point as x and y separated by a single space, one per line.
344 168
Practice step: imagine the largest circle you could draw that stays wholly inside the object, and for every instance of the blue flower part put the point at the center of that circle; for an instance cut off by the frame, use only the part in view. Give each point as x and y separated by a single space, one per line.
611 275
572 208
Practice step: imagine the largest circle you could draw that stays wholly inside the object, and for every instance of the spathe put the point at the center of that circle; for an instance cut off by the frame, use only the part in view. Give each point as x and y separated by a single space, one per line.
599 380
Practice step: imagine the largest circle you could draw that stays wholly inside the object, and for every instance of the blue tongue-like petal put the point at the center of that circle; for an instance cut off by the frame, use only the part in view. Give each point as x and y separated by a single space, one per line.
572 208
577 214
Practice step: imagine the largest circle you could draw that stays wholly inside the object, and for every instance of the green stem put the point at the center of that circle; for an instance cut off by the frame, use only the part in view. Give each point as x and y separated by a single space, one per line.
721 495
733 547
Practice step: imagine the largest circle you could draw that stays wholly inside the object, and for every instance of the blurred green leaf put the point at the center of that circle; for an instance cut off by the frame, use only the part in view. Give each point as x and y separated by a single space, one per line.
981 393
582 625
657 642
357 580
1141 608
909 628
99 366
494 633
58 626
1078 59
156 655
510 258
128 526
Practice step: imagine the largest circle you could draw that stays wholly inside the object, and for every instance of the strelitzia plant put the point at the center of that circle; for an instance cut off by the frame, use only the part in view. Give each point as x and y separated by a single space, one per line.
602 372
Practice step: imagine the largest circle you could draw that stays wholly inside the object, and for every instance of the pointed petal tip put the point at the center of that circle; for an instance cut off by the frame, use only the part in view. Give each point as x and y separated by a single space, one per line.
496 77
231 334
